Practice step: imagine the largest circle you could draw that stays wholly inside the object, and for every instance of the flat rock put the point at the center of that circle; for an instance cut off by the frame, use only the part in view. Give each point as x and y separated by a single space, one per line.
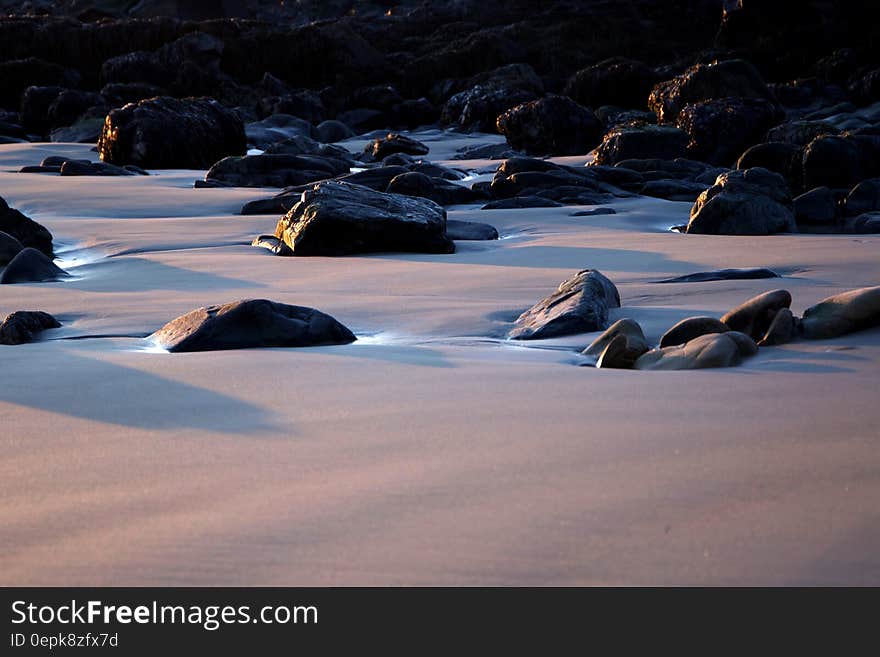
272 170
250 324
579 305
21 326
706 351
337 218
518 202
723 275
755 315
595 212
470 230
690 328
842 313
31 266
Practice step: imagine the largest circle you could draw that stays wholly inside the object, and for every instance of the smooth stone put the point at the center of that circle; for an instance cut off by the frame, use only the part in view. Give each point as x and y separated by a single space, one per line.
782 329
816 206
80 168
40 169
579 305
9 248
519 202
629 343
723 275
470 230
31 266
706 351
690 328
619 354
755 315
595 212
842 313
21 326
337 218
250 324
24 229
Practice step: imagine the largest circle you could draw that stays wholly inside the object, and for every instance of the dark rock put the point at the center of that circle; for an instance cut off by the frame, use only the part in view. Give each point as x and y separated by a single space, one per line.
272 170
31 266
707 351
593 213
17 75
81 168
864 224
725 79
518 202
750 202
723 275
37 168
362 119
118 94
866 89
755 315
436 170
486 151
677 169
673 190
24 229
470 230
579 305
690 328
162 133
20 326
800 132
251 324
830 161
816 206
393 143
302 145
274 129
842 313
84 131
864 197
612 116
9 248
782 158
337 218
438 190
332 131
617 81
782 329
721 129
641 141
553 125
304 104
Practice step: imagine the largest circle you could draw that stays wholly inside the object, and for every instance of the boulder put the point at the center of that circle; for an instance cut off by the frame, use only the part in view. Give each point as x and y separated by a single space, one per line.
392 143
720 129
690 328
163 133
21 326
553 125
31 266
777 156
755 315
782 329
706 351
815 207
273 170
478 101
25 230
724 79
626 142
275 128
338 218
831 161
619 346
250 324
439 190
673 190
579 305
332 131
616 81
864 224
749 202
842 313
470 230
801 132
863 198
9 248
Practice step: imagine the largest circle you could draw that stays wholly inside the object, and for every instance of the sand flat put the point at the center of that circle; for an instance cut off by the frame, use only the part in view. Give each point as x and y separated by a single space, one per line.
431 451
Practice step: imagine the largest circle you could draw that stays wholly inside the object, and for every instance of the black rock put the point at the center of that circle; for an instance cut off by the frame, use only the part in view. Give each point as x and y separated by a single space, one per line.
816 206
832 161
643 141
438 190
332 131
19 327
470 230
31 266
579 305
517 202
392 143
673 190
863 198
553 125
9 248
276 128
723 275
273 170
163 133
81 168
250 324
595 212
800 132
617 81
780 157
337 218
24 229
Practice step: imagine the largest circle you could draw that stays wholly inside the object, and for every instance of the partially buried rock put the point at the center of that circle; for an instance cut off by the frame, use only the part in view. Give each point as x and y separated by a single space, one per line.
167 133
439 190
619 346
379 149
21 326
750 202
470 230
706 351
843 313
782 329
250 324
518 202
553 125
9 248
723 275
273 170
81 168
579 305
25 230
690 328
755 315
31 266
337 218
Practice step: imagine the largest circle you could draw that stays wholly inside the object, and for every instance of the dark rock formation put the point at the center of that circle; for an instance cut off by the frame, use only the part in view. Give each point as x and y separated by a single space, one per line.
270 170
616 81
31 266
553 125
24 229
723 275
9 248
644 141
21 326
842 313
